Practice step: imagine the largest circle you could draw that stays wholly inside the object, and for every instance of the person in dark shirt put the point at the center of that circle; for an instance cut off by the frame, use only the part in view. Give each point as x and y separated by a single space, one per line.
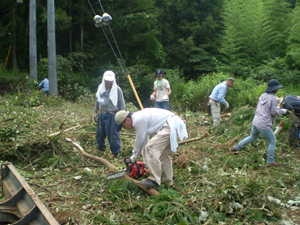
292 103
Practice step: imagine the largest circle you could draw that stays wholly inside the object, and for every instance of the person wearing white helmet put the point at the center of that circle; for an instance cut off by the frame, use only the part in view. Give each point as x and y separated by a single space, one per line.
110 100
166 127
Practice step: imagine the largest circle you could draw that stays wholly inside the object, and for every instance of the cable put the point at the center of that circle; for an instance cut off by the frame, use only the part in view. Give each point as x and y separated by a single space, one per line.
113 51
101 5
92 7
114 40
118 49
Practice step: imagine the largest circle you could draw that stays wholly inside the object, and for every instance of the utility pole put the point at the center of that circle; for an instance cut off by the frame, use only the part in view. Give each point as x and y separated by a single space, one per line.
32 40
51 48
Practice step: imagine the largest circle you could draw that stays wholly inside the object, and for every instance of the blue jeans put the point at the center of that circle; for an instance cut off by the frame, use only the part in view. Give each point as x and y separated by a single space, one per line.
268 134
162 105
108 128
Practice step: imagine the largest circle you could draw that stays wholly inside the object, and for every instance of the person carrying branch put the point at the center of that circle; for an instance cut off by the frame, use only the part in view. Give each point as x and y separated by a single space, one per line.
218 96
161 92
291 103
263 121
110 99
158 152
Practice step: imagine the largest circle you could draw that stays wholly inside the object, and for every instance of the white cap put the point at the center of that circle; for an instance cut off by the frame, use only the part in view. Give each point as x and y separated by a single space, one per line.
109 75
121 116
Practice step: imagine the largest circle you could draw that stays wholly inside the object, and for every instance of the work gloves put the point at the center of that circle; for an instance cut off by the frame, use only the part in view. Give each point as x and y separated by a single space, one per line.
227 105
165 98
152 97
133 159
95 117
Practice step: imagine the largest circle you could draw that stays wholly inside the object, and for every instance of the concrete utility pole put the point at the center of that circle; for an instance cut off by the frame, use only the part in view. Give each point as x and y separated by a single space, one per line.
51 48
32 40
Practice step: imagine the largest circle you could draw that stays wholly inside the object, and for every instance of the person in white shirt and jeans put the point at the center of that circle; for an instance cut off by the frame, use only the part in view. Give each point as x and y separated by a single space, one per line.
162 90
157 152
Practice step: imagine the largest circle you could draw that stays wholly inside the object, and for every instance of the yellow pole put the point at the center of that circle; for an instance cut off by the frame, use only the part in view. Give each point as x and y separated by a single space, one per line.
134 91
6 59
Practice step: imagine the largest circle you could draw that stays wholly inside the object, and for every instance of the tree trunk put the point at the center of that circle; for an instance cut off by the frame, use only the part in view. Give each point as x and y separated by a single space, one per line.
81 37
70 30
14 39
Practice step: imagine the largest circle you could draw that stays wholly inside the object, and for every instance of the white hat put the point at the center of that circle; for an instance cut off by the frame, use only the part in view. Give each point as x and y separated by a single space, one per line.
121 116
109 75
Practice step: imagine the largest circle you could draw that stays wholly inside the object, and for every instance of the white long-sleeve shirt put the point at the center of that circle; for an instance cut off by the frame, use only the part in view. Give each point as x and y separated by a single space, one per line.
146 122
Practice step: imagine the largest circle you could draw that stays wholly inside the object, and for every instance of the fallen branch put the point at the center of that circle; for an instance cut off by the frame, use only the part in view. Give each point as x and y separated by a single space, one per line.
111 167
6 120
225 115
50 135
194 139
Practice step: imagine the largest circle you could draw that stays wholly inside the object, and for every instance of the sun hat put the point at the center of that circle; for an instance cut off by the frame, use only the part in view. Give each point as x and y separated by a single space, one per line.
109 75
121 116
274 85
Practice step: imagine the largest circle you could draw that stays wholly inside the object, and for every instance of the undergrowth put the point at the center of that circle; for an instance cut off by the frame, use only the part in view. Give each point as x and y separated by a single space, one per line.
212 185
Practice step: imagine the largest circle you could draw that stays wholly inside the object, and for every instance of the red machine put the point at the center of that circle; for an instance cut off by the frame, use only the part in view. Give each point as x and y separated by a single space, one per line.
134 170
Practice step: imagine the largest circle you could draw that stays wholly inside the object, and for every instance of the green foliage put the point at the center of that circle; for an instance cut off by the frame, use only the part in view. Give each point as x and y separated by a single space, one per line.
254 32
293 56
276 69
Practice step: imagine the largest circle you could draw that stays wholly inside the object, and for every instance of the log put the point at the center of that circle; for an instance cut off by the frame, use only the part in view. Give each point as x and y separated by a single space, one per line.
194 139
225 115
112 168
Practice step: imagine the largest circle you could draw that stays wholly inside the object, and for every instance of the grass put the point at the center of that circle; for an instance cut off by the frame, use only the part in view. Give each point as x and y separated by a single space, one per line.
213 186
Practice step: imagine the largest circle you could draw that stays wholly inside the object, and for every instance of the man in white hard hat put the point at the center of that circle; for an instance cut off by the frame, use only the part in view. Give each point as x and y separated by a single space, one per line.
110 100
166 127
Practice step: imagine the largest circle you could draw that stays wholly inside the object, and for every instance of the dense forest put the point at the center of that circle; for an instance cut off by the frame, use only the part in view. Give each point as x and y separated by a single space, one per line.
249 38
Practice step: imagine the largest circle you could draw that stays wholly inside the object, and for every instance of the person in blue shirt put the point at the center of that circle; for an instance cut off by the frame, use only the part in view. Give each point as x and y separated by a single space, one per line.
45 85
218 96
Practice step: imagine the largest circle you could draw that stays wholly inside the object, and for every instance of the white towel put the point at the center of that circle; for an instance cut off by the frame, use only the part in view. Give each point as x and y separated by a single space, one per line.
113 95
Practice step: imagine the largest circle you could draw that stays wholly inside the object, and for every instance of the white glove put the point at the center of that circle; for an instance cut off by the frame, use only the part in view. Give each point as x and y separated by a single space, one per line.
95 117
152 97
284 111
133 159
165 98
227 105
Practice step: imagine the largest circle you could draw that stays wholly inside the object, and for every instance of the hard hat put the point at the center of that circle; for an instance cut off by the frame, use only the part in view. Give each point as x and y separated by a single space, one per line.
121 116
109 75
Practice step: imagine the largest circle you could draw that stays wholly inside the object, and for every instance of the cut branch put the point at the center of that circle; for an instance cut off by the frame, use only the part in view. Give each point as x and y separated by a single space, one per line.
194 139
50 135
111 167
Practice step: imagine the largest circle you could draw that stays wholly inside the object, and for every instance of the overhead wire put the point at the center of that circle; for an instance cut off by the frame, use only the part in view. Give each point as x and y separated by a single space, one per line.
114 39
123 68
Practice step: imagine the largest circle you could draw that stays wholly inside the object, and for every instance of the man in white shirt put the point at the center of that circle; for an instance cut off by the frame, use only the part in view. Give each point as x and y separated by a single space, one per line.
158 152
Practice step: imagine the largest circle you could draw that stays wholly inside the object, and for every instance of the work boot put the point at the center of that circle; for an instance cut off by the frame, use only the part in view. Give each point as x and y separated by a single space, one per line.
149 184
234 151
102 150
113 156
274 164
